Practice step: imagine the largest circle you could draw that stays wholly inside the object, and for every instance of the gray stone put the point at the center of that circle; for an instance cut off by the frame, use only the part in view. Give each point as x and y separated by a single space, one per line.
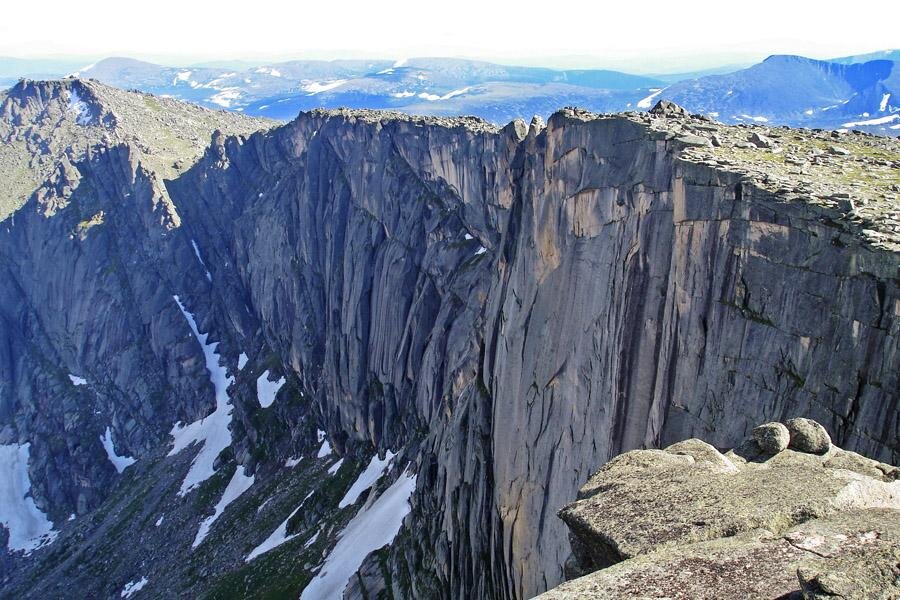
760 141
667 108
808 436
651 526
772 438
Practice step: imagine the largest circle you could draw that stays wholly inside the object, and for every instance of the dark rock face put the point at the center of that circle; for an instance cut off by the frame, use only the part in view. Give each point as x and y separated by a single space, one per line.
518 307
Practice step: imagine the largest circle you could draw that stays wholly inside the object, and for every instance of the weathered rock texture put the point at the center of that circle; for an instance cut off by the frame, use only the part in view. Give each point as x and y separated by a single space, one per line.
516 305
689 522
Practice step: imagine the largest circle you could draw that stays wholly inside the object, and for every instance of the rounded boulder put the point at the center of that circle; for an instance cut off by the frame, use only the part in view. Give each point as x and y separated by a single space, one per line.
808 436
772 438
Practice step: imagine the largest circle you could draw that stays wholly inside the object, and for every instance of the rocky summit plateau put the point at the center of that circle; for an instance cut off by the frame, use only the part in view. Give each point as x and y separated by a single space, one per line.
797 520
364 354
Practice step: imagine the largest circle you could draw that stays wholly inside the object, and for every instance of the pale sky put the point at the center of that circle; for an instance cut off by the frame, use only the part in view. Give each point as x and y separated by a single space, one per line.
575 33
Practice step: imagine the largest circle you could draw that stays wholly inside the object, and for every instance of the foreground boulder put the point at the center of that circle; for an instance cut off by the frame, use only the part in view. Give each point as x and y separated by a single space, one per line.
689 521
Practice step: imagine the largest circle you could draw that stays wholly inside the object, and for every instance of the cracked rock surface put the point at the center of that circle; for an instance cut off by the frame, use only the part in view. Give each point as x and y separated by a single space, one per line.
689 522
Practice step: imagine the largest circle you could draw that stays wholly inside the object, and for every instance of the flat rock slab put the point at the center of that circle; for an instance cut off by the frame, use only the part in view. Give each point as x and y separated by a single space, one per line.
647 499
855 553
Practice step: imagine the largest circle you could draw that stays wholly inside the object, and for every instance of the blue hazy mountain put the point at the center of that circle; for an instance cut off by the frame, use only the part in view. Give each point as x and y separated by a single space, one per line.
849 92
424 85
792 90
859 58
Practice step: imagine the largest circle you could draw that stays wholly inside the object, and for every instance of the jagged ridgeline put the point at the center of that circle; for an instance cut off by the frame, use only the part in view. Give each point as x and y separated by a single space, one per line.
371 355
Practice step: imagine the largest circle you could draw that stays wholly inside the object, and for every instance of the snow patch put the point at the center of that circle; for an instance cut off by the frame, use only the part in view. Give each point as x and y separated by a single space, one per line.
481 250
28 527
335 467
324 449
403 94
90 67
267 390
76 380
367 478
211 430
160 520
646 102
373 527
400 63
134 586
80 108
119 462
278 537
312 540
447 96
200 258
226 97
269 71
884 102
316 87
242 361
878 121
239 484
292 462
468 236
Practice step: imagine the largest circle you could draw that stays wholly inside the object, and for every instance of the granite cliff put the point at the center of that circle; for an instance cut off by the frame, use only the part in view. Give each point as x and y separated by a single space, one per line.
493 311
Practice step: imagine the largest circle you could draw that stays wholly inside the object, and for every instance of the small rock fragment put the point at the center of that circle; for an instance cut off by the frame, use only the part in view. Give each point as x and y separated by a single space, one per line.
772 438
808 436
667 108
760 141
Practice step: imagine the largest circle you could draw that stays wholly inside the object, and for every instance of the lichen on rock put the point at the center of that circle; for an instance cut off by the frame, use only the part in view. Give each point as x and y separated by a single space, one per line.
675 523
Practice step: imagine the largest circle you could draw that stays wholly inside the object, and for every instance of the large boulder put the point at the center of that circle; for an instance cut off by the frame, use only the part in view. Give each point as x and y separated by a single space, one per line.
808 436
690 521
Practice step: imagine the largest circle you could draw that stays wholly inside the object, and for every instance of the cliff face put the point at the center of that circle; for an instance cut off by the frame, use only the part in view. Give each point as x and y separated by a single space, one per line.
511 307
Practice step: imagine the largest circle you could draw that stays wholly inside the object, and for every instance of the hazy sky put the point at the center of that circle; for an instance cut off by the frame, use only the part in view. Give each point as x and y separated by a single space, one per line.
587 32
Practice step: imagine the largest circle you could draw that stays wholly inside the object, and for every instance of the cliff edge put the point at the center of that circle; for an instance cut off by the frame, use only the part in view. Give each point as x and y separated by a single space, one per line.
784 515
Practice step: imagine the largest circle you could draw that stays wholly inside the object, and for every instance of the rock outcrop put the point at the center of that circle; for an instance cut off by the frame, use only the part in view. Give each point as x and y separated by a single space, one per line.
509 306
690 522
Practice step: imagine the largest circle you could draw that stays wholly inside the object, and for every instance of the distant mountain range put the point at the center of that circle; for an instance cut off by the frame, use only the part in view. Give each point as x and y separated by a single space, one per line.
860 92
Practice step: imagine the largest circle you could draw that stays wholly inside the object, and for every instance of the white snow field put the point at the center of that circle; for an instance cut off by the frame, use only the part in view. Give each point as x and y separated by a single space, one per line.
133 586
211 430
266 390
28 527
119 462
239 484
374 526
367 478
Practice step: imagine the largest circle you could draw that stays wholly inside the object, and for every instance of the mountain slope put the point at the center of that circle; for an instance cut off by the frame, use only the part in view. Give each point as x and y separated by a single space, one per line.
419 85
501 308
44 125
798 91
